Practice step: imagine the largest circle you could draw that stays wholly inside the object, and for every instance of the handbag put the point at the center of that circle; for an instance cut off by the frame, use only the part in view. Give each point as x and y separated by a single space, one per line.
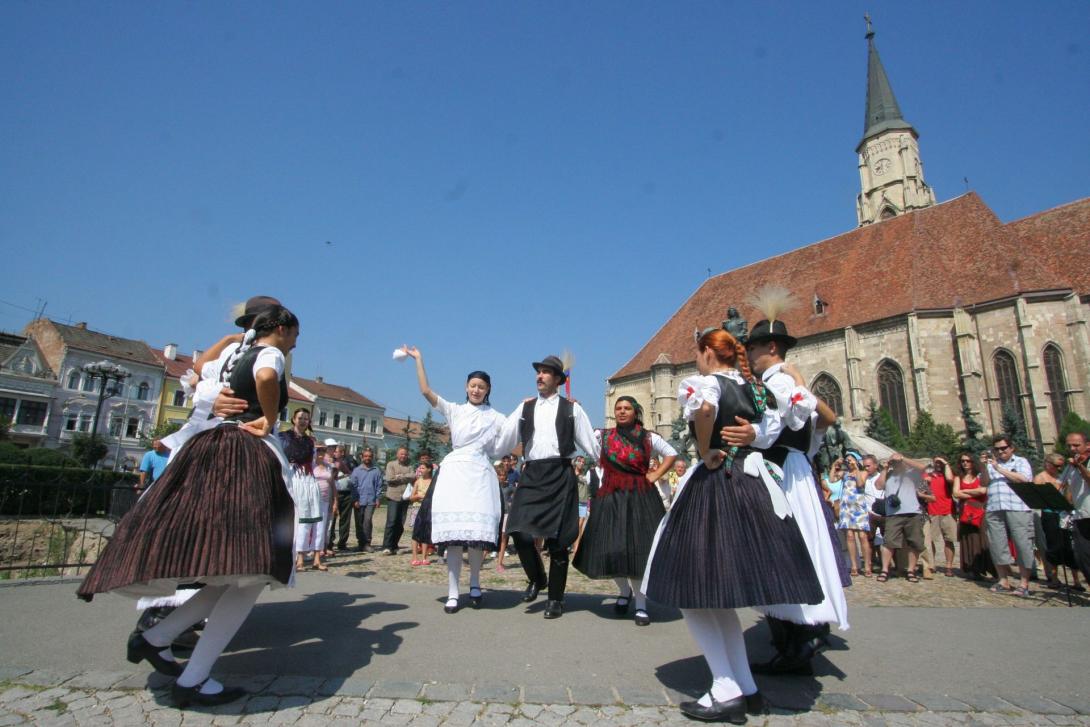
972 513
882 506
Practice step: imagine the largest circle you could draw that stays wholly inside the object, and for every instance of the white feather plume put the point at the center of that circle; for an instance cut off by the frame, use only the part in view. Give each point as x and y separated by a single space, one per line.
568 359
773 301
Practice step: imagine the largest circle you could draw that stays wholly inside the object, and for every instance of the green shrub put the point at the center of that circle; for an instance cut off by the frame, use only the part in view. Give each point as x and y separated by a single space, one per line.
32 490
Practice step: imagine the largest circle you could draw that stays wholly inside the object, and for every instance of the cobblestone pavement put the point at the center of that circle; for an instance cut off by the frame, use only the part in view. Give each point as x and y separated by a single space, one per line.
99 698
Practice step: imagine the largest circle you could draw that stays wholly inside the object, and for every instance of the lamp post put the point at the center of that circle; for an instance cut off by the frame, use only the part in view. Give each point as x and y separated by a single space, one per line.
107 371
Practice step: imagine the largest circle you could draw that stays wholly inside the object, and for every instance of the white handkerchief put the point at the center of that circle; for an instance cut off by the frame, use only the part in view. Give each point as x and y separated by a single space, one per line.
400 355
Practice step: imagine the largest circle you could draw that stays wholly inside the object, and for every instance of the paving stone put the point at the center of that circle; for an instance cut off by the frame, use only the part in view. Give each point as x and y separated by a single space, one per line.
938 702
225 719
1038 705
498 709
252 683
10 672
347 709
838 701
261 703
531 710
407 706
352 687
1065 719
1079 704
439 709
645 697
231 708
14 694
396 718
538 694
373 715
447 692
496 692
889 703
290 685
397 690
426 720
986 703
11 719
378 703
590 694
47 677
97 679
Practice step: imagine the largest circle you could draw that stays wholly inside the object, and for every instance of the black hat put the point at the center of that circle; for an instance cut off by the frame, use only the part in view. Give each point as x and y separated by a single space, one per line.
774 331
254 306
554 363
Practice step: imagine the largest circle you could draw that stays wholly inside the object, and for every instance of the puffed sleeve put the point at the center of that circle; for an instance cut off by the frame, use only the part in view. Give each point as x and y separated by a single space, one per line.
444 407
694 391
801 406
660 447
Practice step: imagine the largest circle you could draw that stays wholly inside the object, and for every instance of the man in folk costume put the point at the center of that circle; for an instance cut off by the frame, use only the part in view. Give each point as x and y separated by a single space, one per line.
546 501
798 630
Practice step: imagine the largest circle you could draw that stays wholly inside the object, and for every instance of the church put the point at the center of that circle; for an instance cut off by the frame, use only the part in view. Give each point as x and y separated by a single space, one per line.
963 308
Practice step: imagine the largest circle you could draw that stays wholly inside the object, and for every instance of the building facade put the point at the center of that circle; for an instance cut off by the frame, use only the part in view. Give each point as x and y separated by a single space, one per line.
923 307
26 390
338 412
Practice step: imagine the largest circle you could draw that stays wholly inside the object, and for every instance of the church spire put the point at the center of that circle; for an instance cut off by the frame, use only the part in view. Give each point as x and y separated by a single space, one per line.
890 170
883 113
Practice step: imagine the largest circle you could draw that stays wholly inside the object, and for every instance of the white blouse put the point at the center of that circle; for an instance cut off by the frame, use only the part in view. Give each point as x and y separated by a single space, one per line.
695 391
471 426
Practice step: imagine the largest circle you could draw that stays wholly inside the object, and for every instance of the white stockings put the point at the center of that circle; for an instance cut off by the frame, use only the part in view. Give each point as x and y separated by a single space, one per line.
718 633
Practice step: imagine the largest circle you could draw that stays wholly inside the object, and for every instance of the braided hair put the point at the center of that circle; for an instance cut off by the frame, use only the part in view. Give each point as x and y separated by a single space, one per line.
728 350
268 320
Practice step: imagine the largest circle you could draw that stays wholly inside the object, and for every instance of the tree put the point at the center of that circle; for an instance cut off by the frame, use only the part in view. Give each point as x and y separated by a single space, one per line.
430 439
5 428
1071 423
88 449
928 439
158 432
880 427
973 438
1014 428
680 439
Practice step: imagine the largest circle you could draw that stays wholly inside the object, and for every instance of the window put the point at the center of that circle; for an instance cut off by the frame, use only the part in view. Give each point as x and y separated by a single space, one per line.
132 431
32 413
70 423
1057 383
819 307
336 421
1006 383
73 380
142 391
115 426
85 422
321 419
179 397
348 423
360 424
826 389
891 393
7 409
374 426
88 383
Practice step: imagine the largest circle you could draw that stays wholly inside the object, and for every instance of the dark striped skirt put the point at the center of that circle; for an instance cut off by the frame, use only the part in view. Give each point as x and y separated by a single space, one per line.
619 532
221 513
722 546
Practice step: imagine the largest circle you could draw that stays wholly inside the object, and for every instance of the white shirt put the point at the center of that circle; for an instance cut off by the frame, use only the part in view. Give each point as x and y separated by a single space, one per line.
695 391
1079 490
872 493
471 426
544 444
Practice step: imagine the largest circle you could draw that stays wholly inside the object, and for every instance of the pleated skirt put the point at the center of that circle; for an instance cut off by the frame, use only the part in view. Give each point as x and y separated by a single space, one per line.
722 546
976 559
421 526
221 513
619 532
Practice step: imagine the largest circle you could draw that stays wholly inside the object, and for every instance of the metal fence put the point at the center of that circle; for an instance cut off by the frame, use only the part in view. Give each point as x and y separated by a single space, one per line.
54 521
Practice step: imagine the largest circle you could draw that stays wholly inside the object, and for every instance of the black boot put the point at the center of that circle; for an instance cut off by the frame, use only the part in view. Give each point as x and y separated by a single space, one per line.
781 634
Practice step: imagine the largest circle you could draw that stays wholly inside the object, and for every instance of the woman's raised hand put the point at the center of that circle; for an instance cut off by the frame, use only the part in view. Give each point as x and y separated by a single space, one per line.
411 351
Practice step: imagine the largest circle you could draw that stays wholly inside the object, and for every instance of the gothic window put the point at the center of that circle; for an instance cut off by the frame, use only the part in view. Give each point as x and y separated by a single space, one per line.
891 393
142 391
888 213
826 389
1057 382
1006 383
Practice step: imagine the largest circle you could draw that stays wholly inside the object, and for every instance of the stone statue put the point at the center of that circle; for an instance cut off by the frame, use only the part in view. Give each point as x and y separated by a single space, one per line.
736 325
834 445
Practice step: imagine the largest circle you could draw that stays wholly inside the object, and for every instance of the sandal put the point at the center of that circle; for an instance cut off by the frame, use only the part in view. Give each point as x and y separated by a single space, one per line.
1000 588
913 578
1022 592
854 573
867 574
319 566
883 577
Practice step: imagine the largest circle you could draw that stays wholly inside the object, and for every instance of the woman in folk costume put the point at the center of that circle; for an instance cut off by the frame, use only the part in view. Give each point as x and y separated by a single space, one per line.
728 540
464 497
299 448
220 515
626 508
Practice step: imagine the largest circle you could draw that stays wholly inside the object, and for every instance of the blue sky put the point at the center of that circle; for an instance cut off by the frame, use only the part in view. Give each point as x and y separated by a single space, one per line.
498 180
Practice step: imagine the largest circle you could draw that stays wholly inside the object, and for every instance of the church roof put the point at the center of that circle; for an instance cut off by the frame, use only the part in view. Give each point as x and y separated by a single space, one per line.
957 253
883 113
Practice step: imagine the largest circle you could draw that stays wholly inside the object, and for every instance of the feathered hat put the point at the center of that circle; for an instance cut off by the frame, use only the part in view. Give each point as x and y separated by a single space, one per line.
773 301
245 313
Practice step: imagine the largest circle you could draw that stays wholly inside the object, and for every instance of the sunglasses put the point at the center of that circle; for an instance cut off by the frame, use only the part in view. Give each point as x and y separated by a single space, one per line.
1001 449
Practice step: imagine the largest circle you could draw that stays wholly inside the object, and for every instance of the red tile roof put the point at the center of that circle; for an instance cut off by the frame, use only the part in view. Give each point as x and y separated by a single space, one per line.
176 367
396 427
953 254
333 391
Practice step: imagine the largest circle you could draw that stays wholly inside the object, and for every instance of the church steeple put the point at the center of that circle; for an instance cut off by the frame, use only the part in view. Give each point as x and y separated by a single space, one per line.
890 171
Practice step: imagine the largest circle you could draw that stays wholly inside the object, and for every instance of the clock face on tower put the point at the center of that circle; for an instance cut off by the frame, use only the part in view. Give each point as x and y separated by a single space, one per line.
881 166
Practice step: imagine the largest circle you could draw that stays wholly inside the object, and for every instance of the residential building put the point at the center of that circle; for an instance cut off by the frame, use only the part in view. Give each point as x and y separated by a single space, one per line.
338 412
174 405
923 307
128 411
27 384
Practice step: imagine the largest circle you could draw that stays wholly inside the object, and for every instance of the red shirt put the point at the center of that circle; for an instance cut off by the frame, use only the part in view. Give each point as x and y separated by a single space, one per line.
943 504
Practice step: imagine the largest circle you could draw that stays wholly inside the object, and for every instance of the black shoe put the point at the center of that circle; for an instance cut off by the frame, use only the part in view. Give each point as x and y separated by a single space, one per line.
532 590
755 704
475 601
139 649
620 607
732 710
781 665
452 608
185 696
642 617
554 609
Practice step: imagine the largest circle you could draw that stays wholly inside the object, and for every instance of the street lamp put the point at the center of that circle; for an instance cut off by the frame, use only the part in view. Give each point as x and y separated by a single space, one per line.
107 371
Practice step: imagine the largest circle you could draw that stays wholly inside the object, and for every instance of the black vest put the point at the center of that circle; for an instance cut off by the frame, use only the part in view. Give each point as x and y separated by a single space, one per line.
788 440
735 400
242 381
565 427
